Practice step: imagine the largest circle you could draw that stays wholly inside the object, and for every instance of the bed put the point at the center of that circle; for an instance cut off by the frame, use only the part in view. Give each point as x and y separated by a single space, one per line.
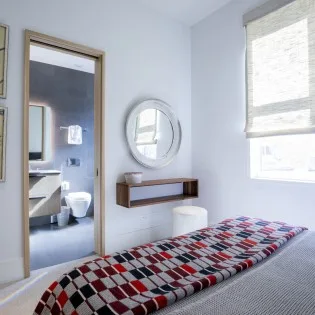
210 271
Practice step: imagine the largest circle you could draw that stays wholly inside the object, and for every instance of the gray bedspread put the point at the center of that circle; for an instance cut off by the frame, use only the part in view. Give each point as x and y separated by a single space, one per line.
282 284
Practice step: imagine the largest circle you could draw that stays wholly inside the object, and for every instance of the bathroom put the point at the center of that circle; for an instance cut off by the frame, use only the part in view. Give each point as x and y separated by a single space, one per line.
61 157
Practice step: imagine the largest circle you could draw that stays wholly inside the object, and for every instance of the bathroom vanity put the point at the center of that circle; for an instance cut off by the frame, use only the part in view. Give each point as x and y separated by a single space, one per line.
44 192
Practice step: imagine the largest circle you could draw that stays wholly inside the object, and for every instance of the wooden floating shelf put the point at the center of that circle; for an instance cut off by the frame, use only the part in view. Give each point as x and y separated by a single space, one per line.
158 200
190 191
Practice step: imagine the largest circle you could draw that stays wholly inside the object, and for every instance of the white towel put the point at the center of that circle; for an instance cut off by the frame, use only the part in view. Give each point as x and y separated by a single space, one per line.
75 135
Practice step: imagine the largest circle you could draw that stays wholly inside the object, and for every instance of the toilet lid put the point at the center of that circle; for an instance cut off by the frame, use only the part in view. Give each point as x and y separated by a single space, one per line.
80 195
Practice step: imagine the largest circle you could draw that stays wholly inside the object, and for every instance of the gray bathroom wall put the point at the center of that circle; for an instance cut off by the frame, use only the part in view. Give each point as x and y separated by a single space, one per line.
70 95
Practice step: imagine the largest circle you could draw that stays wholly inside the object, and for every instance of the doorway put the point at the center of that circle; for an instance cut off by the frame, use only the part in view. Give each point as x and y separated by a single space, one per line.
63 151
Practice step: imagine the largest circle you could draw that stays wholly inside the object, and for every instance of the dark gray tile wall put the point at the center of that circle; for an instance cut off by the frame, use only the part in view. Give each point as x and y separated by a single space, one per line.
70 95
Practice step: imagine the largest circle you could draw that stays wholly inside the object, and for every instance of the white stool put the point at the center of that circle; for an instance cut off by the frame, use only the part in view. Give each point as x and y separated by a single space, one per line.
188 219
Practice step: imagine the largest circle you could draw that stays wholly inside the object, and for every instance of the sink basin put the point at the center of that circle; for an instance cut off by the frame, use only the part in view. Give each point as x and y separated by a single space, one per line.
33 172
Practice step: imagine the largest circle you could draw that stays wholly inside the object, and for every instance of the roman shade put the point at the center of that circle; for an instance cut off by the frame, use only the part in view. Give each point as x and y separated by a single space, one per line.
266 8
281 68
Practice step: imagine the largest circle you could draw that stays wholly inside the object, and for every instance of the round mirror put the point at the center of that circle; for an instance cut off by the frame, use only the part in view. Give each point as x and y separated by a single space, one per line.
153 133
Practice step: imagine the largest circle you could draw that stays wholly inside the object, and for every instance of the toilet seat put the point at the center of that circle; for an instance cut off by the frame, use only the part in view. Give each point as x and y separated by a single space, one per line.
79 195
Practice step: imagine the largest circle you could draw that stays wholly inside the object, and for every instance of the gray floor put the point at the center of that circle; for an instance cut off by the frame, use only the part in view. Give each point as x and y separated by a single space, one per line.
52 245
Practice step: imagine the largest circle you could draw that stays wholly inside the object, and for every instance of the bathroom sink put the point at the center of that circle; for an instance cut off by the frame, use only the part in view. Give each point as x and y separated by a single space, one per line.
43 172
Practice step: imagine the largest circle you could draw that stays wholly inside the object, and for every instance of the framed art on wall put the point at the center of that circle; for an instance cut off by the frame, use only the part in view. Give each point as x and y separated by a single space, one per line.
4 40
3 135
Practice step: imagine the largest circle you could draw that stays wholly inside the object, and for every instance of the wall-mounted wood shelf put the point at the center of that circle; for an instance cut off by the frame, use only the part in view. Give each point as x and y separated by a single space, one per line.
123 195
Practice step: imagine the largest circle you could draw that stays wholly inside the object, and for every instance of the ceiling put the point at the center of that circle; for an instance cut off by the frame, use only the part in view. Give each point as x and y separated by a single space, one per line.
61 59
188 12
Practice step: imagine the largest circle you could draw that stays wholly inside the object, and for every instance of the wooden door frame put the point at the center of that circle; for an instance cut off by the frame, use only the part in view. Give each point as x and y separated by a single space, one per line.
99 134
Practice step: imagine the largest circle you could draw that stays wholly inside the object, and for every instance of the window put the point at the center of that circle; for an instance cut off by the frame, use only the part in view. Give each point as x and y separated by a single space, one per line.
283 158
280 118
146 132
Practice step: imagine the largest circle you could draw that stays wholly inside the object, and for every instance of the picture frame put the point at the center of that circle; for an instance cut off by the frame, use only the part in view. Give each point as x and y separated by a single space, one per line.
4 45
3 141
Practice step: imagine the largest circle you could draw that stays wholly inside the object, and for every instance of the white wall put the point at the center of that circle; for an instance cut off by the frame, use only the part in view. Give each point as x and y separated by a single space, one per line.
147 56
220 150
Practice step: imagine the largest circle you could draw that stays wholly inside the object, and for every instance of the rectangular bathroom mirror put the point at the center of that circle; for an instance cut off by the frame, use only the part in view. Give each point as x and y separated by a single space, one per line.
39 133
3 129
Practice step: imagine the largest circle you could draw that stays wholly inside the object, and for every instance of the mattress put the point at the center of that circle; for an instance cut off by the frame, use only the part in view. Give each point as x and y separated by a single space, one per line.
153 276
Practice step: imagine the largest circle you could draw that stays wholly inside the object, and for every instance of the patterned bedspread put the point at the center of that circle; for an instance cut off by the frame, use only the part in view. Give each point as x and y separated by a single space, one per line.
150 277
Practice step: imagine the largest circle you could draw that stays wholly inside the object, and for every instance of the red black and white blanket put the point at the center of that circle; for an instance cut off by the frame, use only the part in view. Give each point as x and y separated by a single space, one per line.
150 277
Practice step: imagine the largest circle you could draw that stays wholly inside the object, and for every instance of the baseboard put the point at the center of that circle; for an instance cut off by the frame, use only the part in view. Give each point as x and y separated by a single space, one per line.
11 270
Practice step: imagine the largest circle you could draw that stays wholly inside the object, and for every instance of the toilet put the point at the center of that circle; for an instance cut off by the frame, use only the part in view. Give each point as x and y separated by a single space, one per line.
79 203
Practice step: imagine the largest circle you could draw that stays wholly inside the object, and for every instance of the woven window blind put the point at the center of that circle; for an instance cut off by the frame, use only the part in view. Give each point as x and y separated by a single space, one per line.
281 70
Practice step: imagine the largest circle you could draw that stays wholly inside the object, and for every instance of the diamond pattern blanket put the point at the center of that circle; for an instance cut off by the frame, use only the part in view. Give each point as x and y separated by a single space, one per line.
147 278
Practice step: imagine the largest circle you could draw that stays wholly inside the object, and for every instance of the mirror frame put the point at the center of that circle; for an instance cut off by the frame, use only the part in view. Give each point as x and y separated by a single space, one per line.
131 125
